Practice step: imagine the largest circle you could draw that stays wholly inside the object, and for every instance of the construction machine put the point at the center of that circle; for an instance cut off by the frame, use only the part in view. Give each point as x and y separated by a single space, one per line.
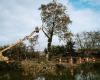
6 59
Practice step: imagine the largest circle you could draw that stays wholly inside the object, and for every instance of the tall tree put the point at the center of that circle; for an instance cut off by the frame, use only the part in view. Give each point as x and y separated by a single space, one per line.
55 21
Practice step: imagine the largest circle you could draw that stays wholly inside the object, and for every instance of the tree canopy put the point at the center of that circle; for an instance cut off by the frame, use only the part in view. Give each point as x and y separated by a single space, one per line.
53 16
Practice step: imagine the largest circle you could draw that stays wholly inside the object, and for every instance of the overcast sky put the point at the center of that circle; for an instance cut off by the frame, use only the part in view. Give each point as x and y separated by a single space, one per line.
19 17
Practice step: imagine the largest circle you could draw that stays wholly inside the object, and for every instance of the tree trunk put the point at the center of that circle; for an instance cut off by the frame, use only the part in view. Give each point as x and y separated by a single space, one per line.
49 44
49 48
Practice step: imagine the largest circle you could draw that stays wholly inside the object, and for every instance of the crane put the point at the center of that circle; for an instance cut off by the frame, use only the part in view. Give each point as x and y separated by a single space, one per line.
3 58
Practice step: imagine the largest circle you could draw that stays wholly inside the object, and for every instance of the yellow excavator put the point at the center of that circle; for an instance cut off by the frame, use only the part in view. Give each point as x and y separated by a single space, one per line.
6 59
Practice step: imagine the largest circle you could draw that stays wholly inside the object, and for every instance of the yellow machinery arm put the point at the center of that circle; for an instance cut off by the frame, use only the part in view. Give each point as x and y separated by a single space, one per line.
3 58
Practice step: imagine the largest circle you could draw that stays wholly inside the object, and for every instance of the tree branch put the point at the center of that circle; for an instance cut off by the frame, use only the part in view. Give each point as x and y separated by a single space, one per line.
45 33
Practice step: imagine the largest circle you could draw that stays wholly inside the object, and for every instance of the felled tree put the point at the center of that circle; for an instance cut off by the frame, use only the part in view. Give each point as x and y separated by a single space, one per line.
55 21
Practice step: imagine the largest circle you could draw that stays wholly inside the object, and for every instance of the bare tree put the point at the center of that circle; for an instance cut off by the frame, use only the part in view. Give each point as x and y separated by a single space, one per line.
88 40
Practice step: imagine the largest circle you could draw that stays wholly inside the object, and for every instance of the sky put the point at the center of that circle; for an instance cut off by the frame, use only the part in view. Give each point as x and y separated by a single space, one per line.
18 18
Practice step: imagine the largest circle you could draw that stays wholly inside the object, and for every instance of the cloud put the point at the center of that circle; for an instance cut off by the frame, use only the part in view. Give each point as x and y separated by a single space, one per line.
15 21
83 19
19 17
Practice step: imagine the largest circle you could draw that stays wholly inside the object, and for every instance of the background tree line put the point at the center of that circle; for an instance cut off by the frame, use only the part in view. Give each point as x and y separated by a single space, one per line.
88 40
